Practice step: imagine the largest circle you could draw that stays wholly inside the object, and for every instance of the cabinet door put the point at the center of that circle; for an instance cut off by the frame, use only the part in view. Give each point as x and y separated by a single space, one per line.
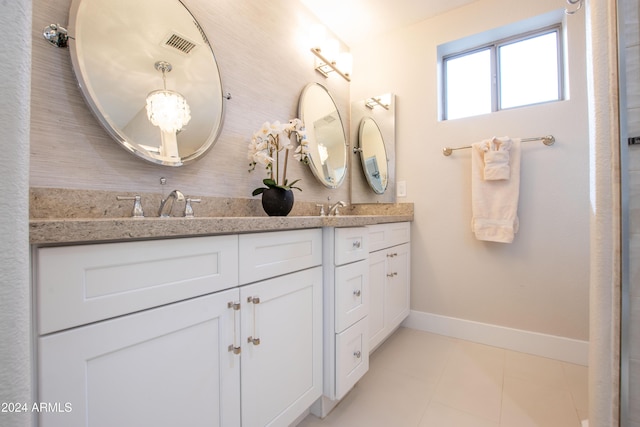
377 281
282 348
167 366
397 288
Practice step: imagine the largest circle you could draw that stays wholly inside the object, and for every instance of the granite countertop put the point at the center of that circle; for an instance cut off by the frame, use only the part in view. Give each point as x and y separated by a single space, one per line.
60 231
96 218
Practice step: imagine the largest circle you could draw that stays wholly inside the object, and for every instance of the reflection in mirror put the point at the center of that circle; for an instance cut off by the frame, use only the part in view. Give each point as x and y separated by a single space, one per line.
373 162
325 133
153 83
373 155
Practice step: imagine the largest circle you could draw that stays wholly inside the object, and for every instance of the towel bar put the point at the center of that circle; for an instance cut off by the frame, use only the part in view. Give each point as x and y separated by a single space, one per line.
546 140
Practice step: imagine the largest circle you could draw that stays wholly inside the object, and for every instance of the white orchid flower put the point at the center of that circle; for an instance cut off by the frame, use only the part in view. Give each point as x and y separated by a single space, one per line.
265 145
301 153
275 128
264 130
262 158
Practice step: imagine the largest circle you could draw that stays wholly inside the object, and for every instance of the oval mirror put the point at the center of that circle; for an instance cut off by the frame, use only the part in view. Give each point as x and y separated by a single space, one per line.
373 155
325 134
126 51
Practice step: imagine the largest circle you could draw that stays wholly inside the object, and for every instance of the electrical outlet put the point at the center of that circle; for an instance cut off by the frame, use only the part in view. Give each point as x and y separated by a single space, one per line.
401 190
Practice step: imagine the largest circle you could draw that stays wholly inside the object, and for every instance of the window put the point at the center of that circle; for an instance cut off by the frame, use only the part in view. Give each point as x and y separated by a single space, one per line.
513 72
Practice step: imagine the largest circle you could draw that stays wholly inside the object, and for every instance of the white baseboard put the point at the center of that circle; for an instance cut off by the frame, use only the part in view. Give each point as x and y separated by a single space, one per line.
551 346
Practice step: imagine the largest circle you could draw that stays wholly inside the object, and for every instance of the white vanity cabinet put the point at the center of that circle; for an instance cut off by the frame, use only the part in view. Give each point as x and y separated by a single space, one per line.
389 279
281 325
215 331
346 305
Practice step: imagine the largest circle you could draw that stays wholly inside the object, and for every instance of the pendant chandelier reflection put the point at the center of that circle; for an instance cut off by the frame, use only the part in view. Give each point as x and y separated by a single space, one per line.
167 109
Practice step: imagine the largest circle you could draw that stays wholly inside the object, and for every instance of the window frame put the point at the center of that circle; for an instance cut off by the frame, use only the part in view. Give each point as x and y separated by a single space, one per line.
494 48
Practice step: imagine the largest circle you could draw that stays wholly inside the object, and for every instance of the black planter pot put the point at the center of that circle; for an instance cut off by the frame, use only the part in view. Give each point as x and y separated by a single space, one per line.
277 201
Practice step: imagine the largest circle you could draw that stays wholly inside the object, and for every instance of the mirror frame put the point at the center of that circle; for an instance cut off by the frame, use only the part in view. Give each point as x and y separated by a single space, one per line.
384 116
313 163
361 150
116 132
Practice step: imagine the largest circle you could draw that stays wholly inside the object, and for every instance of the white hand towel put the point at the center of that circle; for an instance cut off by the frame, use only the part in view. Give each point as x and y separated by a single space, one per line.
495 202
496 159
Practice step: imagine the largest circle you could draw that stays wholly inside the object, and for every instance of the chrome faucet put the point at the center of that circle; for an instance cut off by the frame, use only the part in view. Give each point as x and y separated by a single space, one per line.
174 195
333 209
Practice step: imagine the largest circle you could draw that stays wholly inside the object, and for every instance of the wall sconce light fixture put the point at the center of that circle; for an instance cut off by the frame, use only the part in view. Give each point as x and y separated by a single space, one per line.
329 59
327 66
376 101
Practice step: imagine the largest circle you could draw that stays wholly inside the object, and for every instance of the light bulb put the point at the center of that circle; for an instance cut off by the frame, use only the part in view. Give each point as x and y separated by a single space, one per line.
330 50
316 36
345 62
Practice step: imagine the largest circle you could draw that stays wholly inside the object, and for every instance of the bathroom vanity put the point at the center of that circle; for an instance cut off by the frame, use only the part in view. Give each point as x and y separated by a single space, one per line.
220 325
158 332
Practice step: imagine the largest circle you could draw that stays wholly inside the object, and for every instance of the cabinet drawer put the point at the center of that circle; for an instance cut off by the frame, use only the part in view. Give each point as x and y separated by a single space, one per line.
352 357
352 294
265 255
81 284
386 235
351 244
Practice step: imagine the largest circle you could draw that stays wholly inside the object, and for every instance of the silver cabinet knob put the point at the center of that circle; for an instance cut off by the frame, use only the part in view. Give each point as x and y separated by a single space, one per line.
357 292
357 354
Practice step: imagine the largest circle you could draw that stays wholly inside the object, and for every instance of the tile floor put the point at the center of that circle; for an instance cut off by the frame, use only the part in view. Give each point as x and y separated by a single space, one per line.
419 379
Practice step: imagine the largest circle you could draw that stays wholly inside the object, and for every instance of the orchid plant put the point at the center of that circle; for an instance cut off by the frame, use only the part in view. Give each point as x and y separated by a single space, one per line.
270 145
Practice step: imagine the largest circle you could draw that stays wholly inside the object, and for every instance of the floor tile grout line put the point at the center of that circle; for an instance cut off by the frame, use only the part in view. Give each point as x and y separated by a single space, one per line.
437 383
570 390
504 375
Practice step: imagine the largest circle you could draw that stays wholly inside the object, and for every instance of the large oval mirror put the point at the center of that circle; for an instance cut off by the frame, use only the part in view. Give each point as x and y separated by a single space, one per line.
148 73
373 155
325 134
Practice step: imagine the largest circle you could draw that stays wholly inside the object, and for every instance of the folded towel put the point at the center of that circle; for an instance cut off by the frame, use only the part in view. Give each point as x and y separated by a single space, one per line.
495 202
496 159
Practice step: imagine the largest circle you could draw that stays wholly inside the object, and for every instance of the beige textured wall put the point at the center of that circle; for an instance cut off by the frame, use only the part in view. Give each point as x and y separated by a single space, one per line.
265 62
540 282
